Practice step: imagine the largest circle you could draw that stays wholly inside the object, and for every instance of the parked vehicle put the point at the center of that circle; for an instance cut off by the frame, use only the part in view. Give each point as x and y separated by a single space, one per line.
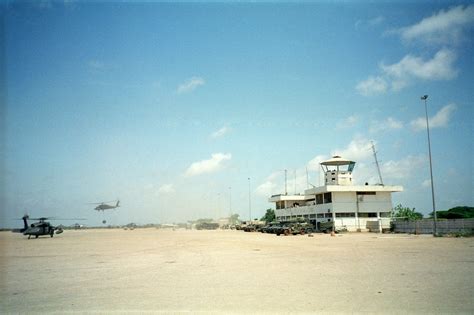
270 227
301 228
207 226
250 228
282 229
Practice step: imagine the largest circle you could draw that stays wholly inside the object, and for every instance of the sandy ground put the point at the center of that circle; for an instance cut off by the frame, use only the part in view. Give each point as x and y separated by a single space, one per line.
235 272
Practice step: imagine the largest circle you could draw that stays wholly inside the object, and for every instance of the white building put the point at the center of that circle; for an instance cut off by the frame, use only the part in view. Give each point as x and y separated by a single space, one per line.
349 206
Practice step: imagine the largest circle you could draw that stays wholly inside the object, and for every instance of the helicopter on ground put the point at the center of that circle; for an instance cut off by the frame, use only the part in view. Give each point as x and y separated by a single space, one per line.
39 228
104 206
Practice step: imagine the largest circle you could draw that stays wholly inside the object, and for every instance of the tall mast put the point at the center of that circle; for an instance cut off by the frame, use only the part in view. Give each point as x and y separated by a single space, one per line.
377 163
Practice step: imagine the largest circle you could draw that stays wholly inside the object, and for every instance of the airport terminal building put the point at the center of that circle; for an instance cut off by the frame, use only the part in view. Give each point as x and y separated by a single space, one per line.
352 207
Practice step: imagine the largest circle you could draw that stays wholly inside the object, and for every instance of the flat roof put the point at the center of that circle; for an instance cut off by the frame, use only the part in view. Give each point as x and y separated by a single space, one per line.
309 193
342 188
284 197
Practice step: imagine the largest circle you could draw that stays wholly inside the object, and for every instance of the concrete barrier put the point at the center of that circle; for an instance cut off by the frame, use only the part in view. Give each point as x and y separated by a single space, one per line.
425 226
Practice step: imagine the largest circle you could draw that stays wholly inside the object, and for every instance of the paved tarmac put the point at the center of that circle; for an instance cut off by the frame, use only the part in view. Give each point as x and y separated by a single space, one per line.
150 270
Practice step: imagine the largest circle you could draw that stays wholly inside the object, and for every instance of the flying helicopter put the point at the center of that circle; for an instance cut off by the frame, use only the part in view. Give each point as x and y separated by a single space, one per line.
39 228
104 206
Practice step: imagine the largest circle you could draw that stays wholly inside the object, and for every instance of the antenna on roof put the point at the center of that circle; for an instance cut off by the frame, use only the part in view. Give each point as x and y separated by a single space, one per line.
377 163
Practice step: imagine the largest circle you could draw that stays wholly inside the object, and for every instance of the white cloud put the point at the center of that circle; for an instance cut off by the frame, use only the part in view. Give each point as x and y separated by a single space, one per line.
190 85
426 183
440 67
275 183
444 27
410 68
440 119
212 165
358 149
403 168
348 122
314 163
387 124
372 86
166 189
266 189
394 172
221 132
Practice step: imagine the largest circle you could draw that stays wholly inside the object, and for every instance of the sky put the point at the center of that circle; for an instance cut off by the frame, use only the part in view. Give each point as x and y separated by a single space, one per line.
191 110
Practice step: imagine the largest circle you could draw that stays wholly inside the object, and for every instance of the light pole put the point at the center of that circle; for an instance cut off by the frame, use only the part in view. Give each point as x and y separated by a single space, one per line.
435 232
250 203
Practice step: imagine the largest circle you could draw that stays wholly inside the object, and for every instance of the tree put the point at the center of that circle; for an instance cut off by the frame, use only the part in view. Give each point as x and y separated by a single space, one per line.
269 216
456 213
406 213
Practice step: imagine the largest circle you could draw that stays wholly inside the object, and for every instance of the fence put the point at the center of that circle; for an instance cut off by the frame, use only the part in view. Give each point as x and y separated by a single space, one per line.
443 226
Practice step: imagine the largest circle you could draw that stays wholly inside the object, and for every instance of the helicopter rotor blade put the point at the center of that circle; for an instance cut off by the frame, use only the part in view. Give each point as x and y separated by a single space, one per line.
69 219
100 203
43 218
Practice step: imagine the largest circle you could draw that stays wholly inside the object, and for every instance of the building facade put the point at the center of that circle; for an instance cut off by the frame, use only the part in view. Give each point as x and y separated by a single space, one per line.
351 207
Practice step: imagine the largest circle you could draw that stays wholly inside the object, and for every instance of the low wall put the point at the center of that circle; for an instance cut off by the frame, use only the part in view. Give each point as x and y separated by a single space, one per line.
443 226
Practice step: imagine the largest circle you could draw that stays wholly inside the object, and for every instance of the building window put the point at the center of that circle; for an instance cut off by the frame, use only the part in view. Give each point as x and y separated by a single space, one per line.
366 193
320 215
345 215
327 198
319 199
312 216
328 215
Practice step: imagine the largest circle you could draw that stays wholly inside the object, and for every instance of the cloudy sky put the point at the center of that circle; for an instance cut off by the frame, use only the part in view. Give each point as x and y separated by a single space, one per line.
173 107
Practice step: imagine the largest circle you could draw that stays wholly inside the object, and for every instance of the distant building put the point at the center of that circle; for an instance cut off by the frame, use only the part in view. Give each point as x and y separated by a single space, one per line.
354 207
223 221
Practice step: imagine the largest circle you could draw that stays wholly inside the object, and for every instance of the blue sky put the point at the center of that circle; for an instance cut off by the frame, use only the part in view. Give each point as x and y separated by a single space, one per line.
172 107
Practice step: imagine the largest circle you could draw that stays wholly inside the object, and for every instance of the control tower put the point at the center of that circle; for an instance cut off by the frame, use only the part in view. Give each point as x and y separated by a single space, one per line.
348 206
338 171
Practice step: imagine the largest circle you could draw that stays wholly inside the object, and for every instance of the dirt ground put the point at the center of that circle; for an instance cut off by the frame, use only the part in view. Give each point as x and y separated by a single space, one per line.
235 272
